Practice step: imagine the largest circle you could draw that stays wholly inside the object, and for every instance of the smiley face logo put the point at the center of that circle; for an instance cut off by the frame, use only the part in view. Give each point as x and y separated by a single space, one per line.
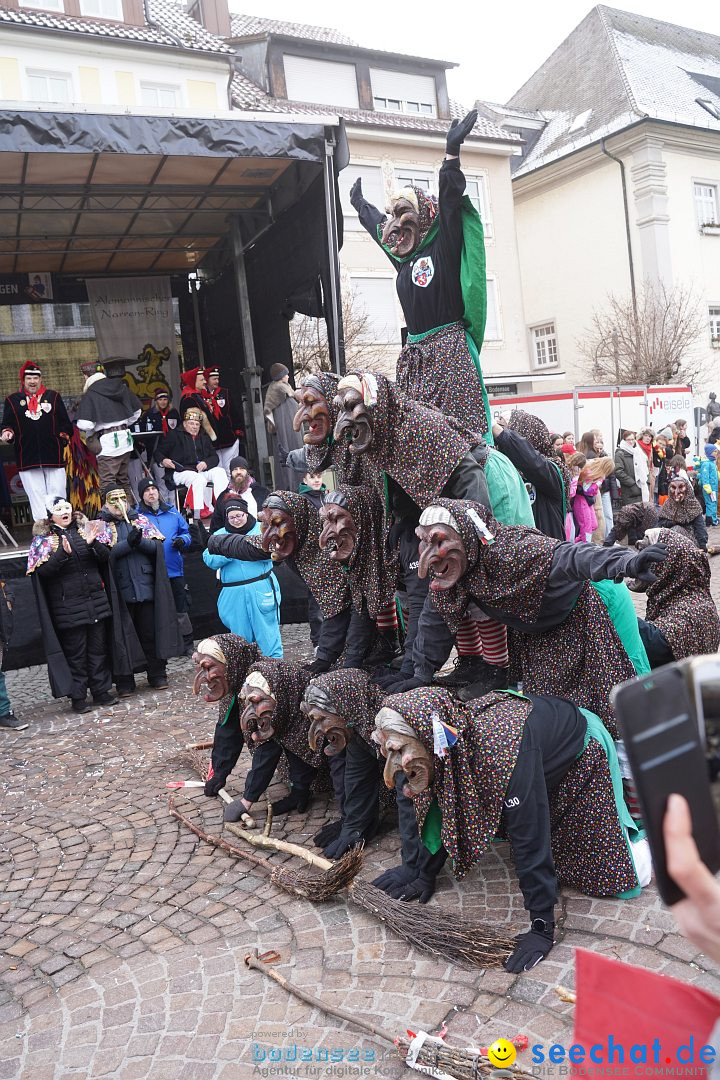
502 1053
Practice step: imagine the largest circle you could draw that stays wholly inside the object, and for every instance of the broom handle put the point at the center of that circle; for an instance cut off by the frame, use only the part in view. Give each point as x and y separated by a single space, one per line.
252 960
277 845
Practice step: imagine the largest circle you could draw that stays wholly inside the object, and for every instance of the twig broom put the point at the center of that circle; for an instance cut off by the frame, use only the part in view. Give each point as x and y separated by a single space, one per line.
432 930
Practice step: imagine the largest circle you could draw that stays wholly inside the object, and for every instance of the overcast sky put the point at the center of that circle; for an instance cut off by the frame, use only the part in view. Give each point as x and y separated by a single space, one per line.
496 51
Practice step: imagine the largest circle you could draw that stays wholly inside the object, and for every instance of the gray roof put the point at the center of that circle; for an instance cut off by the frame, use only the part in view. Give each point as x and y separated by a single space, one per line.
614 69
248 96
171 26
252 25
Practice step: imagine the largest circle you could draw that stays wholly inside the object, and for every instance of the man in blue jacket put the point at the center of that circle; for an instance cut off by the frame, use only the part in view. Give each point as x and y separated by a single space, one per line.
174 528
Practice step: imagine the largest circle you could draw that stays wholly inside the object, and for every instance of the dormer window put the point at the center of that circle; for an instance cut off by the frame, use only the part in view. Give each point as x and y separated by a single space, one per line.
397 91
322 82
44 5
102 9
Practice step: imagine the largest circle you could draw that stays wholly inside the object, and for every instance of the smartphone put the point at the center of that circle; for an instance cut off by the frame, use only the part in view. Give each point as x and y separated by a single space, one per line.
665 745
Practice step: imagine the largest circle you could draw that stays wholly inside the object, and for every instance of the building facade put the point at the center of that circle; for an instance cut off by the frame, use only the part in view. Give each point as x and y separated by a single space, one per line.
619 183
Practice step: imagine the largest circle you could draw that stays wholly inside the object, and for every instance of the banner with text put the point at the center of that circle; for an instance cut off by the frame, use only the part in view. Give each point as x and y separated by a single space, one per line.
133 319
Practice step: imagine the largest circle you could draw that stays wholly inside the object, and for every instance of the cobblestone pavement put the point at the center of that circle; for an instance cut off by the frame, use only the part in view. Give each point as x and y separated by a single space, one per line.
122 936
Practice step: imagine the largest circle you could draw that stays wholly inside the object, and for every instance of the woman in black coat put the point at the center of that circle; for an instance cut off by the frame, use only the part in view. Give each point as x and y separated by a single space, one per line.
64 562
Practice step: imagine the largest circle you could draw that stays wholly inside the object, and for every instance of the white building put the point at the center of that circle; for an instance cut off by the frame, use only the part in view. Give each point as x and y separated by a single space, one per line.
619 181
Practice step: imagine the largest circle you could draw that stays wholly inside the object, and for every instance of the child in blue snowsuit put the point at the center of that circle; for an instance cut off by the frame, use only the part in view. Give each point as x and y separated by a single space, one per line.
249 601
709 484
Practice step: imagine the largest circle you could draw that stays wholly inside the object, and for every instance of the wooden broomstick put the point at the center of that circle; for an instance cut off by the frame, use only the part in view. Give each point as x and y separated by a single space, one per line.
458 1063
434 930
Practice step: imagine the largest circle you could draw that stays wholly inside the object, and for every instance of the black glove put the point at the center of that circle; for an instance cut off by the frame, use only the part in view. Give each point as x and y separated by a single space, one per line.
531 947
640 566
235 810
456 136
317 667
356 195
134 536
214 785
329 832
421 885
398 875
403 683
386 678
199 535
345 841
178 543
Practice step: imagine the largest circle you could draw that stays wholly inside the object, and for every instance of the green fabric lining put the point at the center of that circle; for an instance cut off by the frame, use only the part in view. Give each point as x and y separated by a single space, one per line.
432 828
510 501
230 709
597 730
616 598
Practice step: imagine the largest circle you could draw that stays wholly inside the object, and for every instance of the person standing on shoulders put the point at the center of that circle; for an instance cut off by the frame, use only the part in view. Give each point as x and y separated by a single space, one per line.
35 420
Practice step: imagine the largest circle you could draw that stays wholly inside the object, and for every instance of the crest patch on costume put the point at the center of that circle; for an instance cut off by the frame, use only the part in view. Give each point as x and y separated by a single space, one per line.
172 423
221 402
423 272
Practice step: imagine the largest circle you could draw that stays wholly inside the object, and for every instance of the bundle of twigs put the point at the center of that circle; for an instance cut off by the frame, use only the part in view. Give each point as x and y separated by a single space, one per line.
458 1062
433 930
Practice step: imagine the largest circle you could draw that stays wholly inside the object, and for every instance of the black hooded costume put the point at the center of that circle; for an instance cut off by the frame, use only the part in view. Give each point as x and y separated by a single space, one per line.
527 443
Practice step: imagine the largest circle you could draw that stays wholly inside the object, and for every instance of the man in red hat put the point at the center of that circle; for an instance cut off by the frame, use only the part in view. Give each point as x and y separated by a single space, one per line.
223 417
35 420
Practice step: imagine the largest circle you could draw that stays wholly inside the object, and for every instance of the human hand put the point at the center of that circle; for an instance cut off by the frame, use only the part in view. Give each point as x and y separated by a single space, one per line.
168 463
397 875
213 786
7 435
640 566
459 131
178 543
201 466
698 916
134 536
66 546
356 195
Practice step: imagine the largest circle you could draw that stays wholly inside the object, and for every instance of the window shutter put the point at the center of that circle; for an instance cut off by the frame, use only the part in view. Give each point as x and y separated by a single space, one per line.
375 299
492 324
324 82
400 86
372 186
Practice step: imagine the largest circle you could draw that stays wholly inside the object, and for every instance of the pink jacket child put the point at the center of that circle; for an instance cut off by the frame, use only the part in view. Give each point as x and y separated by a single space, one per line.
583 508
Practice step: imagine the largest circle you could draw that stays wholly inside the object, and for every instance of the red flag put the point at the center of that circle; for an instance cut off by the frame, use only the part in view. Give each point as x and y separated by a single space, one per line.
627 1009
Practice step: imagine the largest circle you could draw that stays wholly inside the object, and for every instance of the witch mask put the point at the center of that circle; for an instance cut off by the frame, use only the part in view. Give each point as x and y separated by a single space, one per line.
314 413
339 530
442 555
328 730
278 534
401 231
403 752
354 425
210 671
257 719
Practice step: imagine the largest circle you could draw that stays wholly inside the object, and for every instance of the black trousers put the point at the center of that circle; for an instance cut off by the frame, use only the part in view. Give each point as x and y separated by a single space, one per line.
553 738
265 762
143 617
656 644
86 651
362 787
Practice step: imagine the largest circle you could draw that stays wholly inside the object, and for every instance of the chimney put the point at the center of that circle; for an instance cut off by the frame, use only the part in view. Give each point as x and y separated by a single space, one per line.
214 15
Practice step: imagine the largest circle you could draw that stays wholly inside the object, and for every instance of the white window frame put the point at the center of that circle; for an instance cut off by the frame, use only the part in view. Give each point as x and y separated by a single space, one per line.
44 5
706 202
76 329
493 286
158 88
714 317
350 218
408 177
544 334
115 16
395 336
47 74
485 207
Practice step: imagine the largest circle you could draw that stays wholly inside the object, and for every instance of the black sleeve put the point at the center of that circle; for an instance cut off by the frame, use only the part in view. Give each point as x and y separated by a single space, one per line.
370 218
360 634
526 816
362 787
63 420
234 546
587 562
227 744
164 449
54 564
417 590
9 421
452 188
700 529
333 632
433 643
535 467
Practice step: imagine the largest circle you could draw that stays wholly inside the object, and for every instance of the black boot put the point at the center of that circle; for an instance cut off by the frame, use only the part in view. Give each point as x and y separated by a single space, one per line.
495 678
298 799
383 650
468 669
